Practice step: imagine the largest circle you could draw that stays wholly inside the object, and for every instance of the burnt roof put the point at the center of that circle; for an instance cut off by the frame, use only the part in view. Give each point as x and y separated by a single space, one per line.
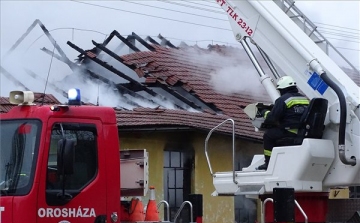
180 68
181 76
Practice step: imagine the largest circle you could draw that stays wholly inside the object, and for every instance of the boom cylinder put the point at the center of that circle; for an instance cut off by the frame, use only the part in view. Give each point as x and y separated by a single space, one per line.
265 80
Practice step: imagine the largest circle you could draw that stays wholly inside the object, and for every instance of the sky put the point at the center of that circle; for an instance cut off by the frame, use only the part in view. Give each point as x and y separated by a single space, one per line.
198 22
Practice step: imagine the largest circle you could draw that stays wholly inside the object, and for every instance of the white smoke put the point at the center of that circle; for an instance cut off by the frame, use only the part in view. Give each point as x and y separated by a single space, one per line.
232 72
127 101
164 103
60 75
236 79
39 63
92 91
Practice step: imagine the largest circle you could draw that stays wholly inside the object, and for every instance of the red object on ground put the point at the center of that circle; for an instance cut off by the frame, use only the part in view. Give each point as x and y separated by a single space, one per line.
136 212
152 214
199 220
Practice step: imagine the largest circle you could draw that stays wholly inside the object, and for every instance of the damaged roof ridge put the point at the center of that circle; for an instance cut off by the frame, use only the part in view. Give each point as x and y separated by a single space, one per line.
146 109
198 122
186 71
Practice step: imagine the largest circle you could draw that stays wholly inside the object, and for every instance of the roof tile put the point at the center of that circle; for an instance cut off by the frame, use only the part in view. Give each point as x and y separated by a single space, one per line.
188 67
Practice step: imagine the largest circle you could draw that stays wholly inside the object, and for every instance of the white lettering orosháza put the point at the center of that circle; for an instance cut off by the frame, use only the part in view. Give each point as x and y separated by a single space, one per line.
66 212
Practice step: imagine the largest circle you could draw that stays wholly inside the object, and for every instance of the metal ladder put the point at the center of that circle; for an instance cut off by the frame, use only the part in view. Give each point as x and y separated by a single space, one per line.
181 208
288 6
166 204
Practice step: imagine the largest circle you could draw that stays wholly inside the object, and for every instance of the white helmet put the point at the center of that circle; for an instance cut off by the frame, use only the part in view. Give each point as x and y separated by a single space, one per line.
285 82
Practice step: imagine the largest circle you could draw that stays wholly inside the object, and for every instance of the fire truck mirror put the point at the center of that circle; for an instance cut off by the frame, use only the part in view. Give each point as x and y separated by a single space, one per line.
65 157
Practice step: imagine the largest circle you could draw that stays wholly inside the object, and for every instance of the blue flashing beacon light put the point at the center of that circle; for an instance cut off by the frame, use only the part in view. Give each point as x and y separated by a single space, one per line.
74 96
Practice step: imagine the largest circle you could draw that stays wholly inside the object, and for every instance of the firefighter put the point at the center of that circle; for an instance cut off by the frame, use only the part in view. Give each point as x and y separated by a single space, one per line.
284 116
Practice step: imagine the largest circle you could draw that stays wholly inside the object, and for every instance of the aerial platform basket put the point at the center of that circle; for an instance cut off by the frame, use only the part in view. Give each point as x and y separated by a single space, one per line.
302 167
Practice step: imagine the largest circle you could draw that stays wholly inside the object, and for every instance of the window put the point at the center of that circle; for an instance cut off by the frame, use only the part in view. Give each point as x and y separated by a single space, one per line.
19 142
85 166
177 181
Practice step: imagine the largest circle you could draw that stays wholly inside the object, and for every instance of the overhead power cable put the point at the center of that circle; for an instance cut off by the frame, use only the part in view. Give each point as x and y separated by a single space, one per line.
339 35
356 34
345 48
197 24
66 28
159 17
151 6
185 5
196 3
162 17
216 6
343 39
343 27
173 2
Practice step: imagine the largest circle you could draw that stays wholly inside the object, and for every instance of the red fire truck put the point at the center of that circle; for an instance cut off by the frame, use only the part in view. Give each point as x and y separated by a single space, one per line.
61 163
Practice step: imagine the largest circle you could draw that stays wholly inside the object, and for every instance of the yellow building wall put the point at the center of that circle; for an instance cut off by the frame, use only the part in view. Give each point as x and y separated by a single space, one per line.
215 209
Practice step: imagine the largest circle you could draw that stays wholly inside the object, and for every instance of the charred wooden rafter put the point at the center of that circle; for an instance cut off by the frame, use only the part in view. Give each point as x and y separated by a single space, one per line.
12 78
35 76
129 41
135 88
112 69
132 86
49 52
47 33
183 44
60 91
126 41
143 42
166 42
93 75
175 94
112 54
151 40
119 87
96 50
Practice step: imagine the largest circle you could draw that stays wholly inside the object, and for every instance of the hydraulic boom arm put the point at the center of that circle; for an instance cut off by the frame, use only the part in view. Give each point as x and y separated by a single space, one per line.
316 75
288 46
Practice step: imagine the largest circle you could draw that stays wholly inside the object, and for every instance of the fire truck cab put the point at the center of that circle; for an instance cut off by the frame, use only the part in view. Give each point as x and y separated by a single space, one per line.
60 162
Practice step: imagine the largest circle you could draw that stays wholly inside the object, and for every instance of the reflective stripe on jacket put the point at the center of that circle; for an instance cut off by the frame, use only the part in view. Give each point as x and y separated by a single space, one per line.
287 110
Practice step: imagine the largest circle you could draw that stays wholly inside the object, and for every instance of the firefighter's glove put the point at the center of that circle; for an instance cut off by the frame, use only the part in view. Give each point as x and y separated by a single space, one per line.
264 113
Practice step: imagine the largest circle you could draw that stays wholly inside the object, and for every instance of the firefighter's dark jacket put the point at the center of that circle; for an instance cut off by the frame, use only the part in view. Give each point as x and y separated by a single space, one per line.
288 109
